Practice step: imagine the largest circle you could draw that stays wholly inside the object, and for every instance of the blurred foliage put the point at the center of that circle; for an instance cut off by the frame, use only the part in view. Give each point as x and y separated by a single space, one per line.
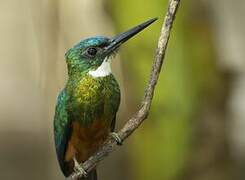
189 76
197 117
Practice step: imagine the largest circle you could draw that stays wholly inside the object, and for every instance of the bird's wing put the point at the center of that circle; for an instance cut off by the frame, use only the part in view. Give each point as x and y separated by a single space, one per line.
62 130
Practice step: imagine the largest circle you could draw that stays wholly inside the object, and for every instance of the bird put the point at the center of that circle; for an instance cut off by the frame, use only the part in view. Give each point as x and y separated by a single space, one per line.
86 108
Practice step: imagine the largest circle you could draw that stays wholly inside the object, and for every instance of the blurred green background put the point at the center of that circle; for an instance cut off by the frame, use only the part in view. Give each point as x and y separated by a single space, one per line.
195 130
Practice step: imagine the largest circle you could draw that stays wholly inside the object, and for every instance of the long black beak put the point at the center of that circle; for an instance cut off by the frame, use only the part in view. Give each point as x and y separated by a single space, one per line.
123 37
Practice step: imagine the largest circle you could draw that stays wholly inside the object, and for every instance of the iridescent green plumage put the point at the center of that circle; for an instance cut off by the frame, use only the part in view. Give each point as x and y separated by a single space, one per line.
91 98
85 100
87 106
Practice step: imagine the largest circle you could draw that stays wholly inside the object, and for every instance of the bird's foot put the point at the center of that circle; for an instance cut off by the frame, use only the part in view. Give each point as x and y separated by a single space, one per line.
78 169
117 138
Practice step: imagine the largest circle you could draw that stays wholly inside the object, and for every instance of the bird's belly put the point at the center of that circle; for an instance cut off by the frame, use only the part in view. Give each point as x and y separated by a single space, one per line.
85 140
92 107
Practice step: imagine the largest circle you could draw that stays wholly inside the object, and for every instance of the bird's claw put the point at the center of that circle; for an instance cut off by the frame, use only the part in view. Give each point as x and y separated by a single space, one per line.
78 169
117 138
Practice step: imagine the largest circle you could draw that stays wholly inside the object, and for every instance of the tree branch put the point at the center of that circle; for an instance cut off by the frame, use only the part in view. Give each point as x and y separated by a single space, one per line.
135 121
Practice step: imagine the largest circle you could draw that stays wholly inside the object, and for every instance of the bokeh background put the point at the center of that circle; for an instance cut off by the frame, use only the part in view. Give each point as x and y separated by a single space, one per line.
196 127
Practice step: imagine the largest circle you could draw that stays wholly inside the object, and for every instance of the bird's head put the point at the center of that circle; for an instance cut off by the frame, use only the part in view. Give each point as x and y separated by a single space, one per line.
93 55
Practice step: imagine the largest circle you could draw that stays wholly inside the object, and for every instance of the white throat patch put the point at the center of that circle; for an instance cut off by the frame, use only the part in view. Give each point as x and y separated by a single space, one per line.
103 70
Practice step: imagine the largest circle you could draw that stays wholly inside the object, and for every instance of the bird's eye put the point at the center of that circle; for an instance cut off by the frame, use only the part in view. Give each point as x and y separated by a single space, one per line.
91 51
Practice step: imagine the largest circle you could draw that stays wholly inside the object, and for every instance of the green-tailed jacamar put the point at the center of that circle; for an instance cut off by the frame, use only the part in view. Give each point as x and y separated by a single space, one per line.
87 106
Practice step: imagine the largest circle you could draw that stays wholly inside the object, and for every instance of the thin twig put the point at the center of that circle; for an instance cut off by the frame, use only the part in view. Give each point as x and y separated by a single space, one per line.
135 121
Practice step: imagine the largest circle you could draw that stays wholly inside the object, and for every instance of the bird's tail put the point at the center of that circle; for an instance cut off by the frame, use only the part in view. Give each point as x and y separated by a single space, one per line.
92 175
